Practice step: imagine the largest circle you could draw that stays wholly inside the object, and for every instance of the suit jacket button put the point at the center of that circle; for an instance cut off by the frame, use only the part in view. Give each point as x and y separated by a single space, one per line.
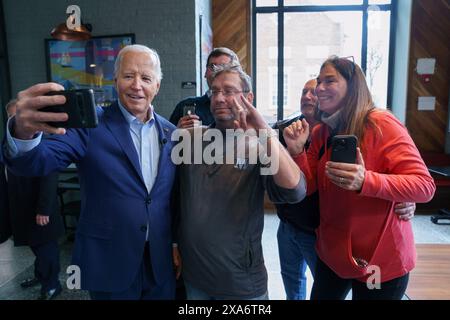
148 201
143 228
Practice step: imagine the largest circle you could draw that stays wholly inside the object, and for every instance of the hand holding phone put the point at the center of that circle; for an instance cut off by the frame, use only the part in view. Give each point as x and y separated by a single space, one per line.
189 119
29 119
343 148
346 168
80 107
189 110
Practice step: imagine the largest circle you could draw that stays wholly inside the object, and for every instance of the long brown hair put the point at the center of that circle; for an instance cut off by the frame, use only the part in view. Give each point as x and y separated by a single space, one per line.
357 103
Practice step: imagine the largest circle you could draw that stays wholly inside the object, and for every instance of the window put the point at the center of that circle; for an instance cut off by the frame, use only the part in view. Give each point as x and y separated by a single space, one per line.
273 88
285 89
292 38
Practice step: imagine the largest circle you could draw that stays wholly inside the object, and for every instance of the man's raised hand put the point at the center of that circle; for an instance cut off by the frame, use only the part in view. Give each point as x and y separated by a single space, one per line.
29 120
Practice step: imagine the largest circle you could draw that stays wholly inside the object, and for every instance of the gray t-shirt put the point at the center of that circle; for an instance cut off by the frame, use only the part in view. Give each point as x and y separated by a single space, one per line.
221 223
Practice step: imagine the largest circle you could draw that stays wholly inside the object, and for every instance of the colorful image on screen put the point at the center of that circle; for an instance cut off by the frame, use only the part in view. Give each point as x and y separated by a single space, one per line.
86 64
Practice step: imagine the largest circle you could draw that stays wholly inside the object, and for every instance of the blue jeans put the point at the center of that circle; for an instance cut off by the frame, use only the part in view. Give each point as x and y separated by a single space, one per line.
297 250
193 293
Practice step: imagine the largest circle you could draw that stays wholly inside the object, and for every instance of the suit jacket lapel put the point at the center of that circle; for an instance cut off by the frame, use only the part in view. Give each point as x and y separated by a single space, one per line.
164 133
121 131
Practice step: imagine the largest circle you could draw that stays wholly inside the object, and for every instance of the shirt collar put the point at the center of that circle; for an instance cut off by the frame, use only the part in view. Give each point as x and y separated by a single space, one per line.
130 118
333 121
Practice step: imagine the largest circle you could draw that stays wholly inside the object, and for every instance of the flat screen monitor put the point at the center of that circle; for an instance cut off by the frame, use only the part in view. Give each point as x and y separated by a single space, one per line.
86 64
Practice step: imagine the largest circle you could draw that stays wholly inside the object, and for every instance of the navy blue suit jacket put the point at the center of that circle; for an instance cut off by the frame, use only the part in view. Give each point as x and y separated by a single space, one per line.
5 224
115 204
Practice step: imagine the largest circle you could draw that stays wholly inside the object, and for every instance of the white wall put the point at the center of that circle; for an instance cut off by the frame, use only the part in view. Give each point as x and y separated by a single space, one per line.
402 42
202 8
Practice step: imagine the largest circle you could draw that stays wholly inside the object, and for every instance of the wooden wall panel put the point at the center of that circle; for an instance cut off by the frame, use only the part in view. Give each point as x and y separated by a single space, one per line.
232 28
430 38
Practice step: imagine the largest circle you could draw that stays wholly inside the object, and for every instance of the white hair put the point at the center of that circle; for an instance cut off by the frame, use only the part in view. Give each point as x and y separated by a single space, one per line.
154 57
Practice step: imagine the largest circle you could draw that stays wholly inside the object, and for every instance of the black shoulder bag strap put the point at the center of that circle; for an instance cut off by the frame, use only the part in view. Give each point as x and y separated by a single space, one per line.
328 143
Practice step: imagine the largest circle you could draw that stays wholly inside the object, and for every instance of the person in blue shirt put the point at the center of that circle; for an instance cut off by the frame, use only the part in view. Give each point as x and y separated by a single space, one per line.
123 247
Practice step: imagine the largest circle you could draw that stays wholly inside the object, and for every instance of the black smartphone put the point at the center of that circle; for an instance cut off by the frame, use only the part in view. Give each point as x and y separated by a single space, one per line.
343 148
80 106
189 110
283 124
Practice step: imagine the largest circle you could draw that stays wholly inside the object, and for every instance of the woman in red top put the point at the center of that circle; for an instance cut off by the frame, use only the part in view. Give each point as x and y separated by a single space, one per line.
361 243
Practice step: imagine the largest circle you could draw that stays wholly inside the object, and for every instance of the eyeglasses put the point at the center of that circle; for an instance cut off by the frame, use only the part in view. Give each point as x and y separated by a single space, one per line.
352 60
342 67
226 93
215 67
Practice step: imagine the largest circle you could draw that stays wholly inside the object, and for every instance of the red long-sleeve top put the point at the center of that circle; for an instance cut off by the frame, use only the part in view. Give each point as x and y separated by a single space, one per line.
363 224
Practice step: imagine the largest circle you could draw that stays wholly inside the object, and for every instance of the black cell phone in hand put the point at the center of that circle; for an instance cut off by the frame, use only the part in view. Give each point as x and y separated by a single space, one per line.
343 148
80 106
189 110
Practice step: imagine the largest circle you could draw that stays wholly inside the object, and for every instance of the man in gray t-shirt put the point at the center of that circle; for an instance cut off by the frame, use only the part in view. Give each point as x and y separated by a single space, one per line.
222 183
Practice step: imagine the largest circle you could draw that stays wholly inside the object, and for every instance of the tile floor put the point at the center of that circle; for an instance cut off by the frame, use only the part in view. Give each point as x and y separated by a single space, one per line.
16 263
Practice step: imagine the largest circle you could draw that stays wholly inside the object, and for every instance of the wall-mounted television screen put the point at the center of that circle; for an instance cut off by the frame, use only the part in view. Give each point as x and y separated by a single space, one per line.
86 64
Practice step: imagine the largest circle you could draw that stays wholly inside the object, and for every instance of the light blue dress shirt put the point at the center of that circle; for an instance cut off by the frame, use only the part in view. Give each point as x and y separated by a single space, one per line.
17 147
146 141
